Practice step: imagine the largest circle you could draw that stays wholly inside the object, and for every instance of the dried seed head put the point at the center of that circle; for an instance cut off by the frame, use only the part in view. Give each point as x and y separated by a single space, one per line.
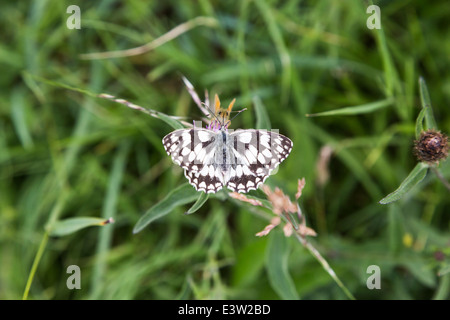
242 197
432 146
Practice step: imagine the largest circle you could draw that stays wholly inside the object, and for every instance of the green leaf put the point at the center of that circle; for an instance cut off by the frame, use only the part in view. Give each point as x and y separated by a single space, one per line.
71 225
390 73
19 109
419 121
175 124
421 272
262 118
249 263
277 267
395 228
443 289
110 201
417 174
348 111
171 121
199 203
426 103
444 270
276 35
180 196
28 76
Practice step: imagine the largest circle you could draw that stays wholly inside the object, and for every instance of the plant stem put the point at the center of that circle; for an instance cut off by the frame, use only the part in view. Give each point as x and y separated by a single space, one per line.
441 177
37 258
324 264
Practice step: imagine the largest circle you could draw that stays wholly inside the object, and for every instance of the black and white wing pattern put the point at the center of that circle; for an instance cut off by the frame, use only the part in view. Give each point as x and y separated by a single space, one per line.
256 154
240 160
194 151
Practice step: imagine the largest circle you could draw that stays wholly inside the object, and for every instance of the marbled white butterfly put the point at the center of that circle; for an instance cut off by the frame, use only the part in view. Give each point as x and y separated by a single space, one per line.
215 156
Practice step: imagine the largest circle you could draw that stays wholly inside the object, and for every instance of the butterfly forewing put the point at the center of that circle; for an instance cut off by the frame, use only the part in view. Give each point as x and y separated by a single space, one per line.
240 160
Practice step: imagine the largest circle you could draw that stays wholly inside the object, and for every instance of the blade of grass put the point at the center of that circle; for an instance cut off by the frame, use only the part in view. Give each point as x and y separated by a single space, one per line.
361 109
277 38
170 120
30 76
277 267
316 254
416 175
199 203
395 229
170 35
182 195
262 118
419 121
390 74
18 115
71 225
442 293
35 265
80 129
426 103
444 271
109 210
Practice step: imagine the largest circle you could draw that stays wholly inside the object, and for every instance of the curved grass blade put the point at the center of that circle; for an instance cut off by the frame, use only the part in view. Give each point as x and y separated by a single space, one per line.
170 120
416 175
426 102
180 196
175 124
277 267
444 271
194 96
168 36
71 225
276 36
19 106
389 71
109 209
199 203
29 76
419 121
349 111
262 118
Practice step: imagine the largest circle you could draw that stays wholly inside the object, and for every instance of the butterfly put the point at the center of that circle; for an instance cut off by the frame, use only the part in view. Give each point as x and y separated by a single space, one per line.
215 157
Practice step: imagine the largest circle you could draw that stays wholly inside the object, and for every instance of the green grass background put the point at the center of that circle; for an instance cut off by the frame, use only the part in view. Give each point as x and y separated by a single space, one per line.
65 153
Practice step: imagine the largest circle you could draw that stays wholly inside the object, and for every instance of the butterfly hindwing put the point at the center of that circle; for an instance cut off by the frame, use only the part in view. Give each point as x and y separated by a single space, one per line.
204 181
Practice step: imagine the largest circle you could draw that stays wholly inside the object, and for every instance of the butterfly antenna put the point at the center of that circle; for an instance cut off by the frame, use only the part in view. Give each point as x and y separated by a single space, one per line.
210 111
238 113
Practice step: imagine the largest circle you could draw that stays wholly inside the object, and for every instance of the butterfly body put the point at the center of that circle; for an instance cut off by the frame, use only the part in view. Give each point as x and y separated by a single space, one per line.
215 156
241 160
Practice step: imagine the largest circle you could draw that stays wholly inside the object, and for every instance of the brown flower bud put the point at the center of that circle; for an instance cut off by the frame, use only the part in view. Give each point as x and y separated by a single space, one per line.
432 146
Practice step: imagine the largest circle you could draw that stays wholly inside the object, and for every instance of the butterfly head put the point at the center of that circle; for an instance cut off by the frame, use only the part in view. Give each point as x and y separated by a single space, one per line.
221 118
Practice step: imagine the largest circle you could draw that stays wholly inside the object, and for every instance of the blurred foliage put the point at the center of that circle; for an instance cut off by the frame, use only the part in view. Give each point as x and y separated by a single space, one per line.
65 153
